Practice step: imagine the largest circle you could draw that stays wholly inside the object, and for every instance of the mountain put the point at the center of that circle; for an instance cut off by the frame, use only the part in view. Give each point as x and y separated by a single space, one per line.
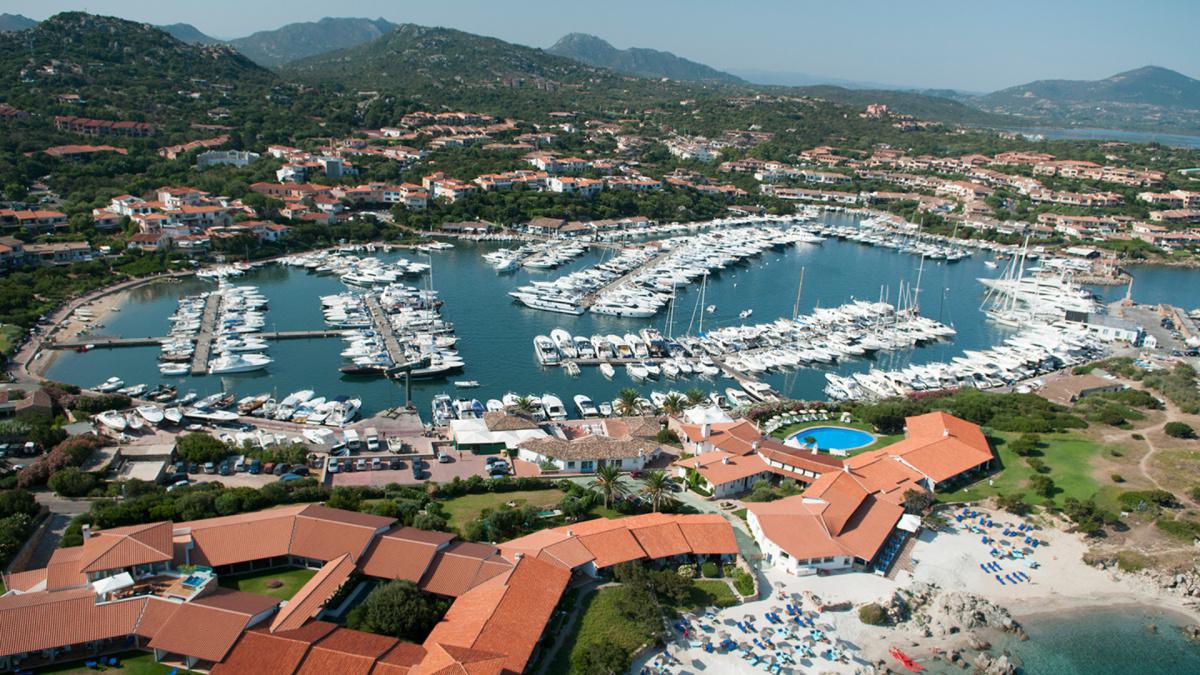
10 23
1146 98
186 32
274 48
784 78
635 60
121 68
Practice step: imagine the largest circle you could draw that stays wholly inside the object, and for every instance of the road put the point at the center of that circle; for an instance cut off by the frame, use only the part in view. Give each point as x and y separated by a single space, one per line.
62 510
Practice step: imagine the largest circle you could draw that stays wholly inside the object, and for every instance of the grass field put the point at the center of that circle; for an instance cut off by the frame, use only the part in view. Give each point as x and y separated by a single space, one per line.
8 335
880 441
601 621
1069 458
257 582
711 593
466 508
132 663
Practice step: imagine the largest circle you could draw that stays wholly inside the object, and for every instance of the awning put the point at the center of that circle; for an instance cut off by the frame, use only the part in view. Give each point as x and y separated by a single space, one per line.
114 583
909 523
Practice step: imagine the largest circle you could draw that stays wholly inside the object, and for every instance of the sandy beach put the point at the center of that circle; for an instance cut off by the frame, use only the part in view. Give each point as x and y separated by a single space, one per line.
89 318
1061 583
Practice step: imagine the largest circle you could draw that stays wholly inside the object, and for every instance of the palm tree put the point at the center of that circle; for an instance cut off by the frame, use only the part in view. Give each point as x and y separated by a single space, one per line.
695 396
608 482
655 486
673 404
628 403
524 404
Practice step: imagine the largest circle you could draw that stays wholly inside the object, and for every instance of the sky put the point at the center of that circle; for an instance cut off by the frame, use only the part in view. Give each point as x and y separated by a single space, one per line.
970 45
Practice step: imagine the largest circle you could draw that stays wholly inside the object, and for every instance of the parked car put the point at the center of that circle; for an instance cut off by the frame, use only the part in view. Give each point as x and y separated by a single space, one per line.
395 463
210 467
192 468
360 465
444 458
255 466
178 484
288 477
376 464
300 470
269 467
493 460
225 468
332 466
280 468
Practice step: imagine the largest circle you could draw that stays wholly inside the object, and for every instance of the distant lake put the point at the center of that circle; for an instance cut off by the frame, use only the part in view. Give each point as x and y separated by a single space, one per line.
1176 140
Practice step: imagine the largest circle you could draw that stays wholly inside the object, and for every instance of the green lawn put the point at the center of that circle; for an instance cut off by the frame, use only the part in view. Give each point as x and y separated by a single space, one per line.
711 593
257 582
8 335
880 441
601 622
132 663
1068 456
464 509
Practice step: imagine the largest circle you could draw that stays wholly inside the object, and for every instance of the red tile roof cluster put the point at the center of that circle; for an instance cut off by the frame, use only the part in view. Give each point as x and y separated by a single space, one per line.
313 595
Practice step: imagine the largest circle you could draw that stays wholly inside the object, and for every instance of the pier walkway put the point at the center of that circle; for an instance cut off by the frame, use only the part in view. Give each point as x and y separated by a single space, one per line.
590 299
110 342
384 327
204 339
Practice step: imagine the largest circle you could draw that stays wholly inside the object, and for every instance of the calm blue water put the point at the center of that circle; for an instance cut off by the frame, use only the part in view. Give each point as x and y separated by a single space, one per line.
835 438
495 335
1105 642
1177 140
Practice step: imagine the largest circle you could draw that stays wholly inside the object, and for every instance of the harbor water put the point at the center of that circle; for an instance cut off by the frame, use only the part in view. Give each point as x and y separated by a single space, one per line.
495 334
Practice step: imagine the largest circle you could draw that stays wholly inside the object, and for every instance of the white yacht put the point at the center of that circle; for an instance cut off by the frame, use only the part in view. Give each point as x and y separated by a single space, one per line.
151 413
238 363
553 406
585 406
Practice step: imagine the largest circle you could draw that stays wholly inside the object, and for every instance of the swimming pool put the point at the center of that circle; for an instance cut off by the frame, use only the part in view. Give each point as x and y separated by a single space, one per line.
833 438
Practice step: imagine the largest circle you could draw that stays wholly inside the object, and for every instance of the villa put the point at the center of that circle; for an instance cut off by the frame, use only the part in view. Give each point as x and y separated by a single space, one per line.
628 443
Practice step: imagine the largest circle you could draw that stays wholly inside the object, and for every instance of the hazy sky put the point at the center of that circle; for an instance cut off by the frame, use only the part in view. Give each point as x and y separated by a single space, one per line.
966 44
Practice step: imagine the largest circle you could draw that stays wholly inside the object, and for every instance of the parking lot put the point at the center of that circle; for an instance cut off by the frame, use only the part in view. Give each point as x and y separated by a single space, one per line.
461 465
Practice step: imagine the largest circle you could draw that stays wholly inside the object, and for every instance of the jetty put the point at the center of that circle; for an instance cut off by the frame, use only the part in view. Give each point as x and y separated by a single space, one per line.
204 339
590 299
383 326
111 342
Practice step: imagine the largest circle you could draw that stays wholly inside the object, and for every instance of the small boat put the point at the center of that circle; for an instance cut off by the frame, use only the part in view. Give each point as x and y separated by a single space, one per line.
572 368
112 419
151 413
607 370
110 385
174 368
745 313
710 309
553 407
585 406
173 415
738 398
606 409
991 264
494 405
636 371
466 384
134 422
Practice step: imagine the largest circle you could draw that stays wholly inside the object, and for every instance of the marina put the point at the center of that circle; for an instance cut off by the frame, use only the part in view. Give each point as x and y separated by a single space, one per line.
495 334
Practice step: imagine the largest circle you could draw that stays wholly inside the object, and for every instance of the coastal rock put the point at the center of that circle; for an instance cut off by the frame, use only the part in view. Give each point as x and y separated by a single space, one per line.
1192 632
986 664
955 611
977 643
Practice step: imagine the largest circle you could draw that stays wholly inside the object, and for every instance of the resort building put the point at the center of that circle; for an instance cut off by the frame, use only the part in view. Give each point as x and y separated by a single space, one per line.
494 432
154 587
628 443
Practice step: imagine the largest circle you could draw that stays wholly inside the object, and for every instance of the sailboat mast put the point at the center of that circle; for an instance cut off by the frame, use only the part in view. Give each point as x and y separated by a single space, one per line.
799 288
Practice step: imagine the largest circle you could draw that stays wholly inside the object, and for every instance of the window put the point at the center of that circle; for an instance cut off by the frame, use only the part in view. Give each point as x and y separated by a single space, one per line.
571 464
587 465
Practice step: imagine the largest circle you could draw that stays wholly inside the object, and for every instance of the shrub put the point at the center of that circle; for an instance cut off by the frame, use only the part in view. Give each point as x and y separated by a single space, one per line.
71 482
1179 430
872 614
601 658
1117 478
1186 530
1138 500
687 571
1131 561
1195 492
710 570
1037 465
1042 485
399 609
1013 504
743 582
201 448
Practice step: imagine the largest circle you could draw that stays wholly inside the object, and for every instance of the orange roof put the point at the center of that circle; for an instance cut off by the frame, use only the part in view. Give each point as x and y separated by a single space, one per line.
569 553
24 581
259 651
245 536
612 547
400 660
127 546
451 660
662 541
938 445
346 652
37 621
207 627
505 615
403 553
720 467
708 534
733 437
313 594
155 616
63 569
462 566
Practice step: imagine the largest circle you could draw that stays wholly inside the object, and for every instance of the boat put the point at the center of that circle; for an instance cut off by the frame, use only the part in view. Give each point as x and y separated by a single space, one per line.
606 409
172 369
443 410
607 370
217 416
249 404
745 313
494 405
738 398
636 371
112 419
151 413
134 422
553 406
238 363
572 368
344 411
110 385
173 415
466 384
585 406
547 353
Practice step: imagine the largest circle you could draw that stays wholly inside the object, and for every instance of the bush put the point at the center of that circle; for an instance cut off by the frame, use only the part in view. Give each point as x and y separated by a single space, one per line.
872 614
1117 478
1186 530
1131 561
601 658
71 482
1137 437
1037 465
1179 430
687 571
399 609
201 448
1013 504
1139 500
744 583
1042 485
710 570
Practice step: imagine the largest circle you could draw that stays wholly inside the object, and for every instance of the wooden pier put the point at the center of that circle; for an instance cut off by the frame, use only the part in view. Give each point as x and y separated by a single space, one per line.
204 339
590 299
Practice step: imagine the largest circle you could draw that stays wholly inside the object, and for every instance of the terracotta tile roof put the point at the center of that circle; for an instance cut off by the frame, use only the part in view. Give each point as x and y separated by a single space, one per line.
461 566
720 467
313 594
63 569
612 547
26 581
207 627
569 553
937 445
504 616
127 546
772 449
366 520
452 660
401 660
247 536
260 651
662 541
801 525
403 553
708 534
154 617
733 437
325 540
502 421
590 447
346 652
36 621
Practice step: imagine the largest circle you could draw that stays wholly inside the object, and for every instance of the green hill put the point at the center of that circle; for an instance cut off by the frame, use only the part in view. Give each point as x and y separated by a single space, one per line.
274 48
910 103
10 23
637 61
186 32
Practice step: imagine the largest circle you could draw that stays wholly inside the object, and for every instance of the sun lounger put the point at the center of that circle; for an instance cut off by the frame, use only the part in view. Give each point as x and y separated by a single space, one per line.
1001 580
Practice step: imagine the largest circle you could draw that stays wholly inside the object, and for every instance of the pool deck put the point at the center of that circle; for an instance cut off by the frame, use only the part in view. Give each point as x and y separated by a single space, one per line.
872 438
